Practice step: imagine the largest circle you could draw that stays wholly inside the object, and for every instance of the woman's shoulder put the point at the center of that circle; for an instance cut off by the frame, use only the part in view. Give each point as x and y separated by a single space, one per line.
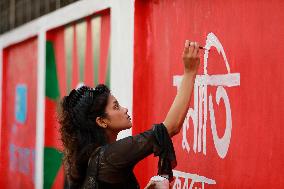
95 155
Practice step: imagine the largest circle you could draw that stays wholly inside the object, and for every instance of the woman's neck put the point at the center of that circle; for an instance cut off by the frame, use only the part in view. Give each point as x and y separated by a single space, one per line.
111 136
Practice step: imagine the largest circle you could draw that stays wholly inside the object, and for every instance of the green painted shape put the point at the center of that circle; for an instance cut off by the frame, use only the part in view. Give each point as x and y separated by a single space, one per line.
81 28
108 69
68 44
52 163
96 39
51 79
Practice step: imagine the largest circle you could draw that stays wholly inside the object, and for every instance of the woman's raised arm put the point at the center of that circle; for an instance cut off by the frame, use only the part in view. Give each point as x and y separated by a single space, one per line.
176 115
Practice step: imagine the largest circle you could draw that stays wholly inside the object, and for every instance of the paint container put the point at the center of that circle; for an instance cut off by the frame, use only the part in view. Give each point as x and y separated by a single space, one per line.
160 182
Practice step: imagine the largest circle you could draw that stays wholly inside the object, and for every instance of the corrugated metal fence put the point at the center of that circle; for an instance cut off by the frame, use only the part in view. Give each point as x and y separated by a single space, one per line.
14 13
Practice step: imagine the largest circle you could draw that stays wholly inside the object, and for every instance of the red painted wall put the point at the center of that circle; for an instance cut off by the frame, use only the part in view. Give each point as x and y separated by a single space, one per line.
250 87
18 129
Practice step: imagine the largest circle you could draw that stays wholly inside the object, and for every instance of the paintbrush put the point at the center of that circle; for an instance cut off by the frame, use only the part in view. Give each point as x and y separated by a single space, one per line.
200 47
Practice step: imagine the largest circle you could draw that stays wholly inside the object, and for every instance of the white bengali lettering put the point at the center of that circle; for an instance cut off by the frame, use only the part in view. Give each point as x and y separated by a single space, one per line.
192 178
198 113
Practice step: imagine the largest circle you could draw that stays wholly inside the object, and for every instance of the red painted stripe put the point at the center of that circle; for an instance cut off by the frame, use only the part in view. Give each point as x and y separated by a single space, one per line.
141 120
59 180
50 35
75 64
52 138
60 61
3 122
89 74
104 46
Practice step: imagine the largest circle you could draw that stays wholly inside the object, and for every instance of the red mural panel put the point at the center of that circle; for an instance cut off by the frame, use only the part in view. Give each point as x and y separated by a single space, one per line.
75 54
232 134
18 127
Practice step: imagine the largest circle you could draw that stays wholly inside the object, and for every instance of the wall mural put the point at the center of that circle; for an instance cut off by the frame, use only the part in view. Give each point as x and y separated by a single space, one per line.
233 130
18 129
198 114
76 54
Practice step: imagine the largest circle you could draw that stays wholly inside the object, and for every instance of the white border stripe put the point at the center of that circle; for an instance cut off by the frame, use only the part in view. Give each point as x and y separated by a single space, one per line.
1 85
40 111
122 36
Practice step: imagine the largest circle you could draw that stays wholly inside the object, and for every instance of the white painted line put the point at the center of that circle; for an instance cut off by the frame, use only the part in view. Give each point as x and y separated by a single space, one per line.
194 177
122 42
39 148
228 80
1 89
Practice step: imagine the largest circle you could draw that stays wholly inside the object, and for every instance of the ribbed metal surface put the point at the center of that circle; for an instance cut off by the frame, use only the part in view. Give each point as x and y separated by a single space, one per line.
14 13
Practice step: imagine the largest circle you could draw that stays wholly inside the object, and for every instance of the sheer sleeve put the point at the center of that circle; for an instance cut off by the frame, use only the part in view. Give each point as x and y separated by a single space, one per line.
125 153
165 150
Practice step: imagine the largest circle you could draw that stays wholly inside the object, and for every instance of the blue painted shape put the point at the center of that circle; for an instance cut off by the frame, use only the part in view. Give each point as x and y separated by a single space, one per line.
12 157
14 128
21 103
24 162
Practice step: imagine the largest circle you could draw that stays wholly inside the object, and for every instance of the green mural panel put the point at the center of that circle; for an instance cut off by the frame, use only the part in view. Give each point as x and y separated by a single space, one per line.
52 88
52 163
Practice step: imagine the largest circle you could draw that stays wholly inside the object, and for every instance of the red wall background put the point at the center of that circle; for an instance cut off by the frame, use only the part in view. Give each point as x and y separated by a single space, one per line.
18 133
252 37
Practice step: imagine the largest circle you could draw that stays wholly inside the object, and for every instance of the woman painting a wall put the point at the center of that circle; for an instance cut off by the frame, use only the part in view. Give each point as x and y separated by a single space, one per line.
91 119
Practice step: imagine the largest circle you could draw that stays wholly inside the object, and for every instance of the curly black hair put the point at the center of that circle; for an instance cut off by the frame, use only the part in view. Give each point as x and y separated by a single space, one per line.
80 134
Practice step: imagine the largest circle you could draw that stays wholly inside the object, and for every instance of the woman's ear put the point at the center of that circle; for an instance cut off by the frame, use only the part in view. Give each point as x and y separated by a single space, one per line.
101 122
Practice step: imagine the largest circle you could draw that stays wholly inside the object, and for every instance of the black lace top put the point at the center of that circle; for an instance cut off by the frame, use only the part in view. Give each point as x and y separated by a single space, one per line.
112 165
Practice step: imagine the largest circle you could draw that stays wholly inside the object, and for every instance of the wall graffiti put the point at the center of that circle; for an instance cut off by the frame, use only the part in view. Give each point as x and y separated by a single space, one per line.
21 159
21 103
193 178
19 106
198 113
234 119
